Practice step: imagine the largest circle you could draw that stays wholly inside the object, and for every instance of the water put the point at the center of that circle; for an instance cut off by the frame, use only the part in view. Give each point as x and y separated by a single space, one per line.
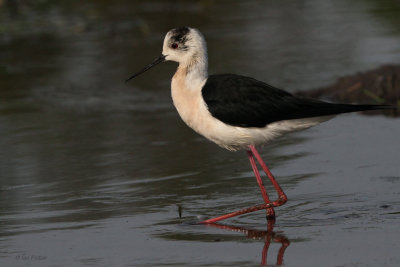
94 172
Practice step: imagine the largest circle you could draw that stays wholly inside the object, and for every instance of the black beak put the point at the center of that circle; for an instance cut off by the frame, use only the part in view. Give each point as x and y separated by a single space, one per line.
158 60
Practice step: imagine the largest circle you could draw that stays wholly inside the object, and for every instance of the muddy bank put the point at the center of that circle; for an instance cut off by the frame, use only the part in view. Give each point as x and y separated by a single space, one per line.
378 86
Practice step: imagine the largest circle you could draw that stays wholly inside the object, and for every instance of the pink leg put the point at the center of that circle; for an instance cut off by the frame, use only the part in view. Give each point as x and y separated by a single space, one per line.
281 195
237 213
269 206
270 210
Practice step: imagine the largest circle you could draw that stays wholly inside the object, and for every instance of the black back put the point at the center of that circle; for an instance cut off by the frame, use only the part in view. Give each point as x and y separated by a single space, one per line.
246 102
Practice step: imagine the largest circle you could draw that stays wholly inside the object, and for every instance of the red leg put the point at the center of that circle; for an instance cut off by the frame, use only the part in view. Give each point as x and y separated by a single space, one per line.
269 206
282 198
236 213
270 211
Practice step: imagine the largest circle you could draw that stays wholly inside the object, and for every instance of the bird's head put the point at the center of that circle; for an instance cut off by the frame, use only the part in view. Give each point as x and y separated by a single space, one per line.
184 45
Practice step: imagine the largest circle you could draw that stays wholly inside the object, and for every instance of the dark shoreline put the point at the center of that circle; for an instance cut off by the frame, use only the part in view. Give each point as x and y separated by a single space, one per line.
378 86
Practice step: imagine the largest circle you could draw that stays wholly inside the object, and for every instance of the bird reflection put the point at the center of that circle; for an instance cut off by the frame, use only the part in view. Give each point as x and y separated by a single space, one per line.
268 235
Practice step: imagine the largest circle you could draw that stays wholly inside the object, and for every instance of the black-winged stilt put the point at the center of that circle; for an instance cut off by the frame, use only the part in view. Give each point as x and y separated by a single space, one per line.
237 112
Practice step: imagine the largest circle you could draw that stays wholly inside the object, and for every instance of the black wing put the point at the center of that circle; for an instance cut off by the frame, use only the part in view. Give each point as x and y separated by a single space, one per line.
246 102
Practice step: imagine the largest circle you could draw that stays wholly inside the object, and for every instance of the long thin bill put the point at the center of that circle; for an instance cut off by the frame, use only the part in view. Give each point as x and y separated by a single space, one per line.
157 61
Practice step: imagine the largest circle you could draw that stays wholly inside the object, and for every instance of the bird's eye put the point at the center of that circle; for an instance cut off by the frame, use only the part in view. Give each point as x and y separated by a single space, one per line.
174 46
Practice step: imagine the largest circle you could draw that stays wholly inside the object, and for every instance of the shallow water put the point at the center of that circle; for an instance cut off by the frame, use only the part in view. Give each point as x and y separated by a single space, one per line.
94 172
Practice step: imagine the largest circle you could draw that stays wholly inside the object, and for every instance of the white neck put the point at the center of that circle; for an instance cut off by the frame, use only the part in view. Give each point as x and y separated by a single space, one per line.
196 71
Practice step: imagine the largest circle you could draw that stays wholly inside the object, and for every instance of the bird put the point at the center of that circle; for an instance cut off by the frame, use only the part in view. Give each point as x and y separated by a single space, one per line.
238 112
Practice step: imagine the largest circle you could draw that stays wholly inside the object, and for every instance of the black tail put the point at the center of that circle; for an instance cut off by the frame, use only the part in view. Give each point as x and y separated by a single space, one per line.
344 108
315 108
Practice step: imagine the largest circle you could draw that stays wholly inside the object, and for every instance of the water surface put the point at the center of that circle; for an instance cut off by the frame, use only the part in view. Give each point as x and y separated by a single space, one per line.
95 172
